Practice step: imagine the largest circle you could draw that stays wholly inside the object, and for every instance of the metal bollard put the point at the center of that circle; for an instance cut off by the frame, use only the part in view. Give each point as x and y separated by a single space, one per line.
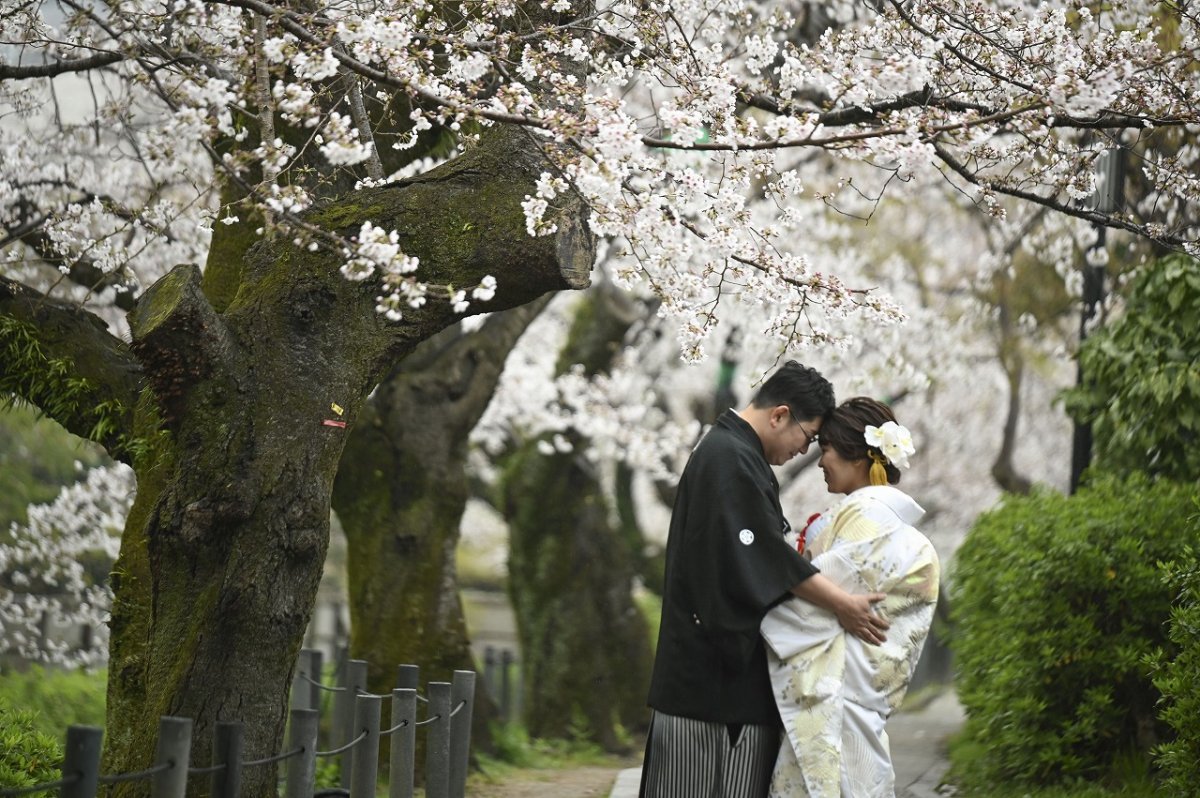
174 747
353 682
490 680
302 770
82 757
366 753
437 741
408 676
316 666
402 757
305 694
227 751
462 691
506 700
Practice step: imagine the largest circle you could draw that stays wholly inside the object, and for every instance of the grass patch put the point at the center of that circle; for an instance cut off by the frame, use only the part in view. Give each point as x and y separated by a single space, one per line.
520 759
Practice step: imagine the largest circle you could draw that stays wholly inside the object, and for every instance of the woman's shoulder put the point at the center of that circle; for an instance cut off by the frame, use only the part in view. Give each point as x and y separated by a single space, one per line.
886 498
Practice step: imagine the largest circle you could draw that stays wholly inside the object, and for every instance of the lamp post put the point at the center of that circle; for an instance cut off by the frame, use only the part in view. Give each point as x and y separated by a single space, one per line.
1110 183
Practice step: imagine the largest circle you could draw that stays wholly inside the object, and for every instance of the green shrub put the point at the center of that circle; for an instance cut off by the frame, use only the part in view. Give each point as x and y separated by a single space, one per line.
27 755
1179 678
1142 388
1056 601
57 699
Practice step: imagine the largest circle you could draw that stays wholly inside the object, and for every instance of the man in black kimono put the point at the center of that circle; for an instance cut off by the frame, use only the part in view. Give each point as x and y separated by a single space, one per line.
715 729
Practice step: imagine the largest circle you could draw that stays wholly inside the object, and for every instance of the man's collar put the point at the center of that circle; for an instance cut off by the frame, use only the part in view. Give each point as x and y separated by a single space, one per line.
731 421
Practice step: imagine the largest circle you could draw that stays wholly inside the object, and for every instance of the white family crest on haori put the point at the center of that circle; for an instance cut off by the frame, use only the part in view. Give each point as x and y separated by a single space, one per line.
834 692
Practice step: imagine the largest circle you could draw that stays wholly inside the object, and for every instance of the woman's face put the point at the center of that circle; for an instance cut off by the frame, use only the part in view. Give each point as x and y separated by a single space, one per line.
842 475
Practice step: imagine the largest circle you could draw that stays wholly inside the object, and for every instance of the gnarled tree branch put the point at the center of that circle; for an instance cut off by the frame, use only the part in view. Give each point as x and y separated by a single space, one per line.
64 360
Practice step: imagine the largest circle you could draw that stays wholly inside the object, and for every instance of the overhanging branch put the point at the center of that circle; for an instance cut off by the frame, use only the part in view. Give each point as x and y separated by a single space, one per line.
56 68
63 360
1095 217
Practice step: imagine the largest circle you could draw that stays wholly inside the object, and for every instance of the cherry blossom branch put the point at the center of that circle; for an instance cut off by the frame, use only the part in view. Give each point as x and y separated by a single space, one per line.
1079 212
82 271
56 68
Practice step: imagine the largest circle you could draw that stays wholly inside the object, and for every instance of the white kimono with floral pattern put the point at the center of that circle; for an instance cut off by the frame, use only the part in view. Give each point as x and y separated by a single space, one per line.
835 692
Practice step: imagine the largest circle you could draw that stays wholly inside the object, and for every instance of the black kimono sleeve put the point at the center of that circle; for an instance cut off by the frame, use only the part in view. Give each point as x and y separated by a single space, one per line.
739 563
758 567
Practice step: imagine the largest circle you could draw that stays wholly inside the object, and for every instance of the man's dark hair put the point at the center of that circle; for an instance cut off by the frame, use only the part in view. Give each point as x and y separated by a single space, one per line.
844 428
800 387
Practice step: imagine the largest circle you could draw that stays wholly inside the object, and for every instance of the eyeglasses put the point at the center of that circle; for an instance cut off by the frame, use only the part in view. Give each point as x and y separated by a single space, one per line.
811 437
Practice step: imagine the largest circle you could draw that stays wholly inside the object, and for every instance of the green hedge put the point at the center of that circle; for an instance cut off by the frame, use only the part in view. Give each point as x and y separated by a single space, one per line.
55 698
27 756
1178 677
1057 601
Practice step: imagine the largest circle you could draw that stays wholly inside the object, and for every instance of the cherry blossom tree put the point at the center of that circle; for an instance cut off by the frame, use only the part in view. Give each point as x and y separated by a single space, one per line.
284 149
400 494
54 570
585 645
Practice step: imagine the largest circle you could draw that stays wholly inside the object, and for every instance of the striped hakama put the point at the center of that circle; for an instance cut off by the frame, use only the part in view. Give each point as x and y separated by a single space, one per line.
687 758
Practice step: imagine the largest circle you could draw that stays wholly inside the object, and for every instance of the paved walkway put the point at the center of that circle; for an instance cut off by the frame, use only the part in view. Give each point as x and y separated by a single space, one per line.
918 739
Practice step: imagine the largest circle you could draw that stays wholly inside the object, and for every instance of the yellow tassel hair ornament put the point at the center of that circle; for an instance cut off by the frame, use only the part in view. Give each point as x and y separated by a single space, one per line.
878 472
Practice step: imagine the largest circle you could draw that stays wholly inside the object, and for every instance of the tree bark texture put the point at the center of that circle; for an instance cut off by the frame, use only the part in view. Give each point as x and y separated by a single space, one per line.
225 543
400 494
1004 470
585 645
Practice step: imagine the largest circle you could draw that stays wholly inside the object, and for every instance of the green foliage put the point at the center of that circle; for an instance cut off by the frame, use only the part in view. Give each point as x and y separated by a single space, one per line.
51 383
27 756
1131 780
1178 678
650 605
515 748
31 374
329 772
56 698
1142 372
1056 600
37 459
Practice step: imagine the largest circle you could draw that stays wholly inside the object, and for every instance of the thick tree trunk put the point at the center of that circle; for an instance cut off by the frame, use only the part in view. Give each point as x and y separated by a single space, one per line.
225 544
1004 471
585 645
400 494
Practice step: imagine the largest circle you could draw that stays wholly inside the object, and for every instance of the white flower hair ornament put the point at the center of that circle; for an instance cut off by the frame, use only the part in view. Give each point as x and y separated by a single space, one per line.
894 443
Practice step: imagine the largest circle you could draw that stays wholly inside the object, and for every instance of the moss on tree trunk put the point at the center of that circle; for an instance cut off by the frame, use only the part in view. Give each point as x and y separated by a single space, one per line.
400 494
585 645
226 542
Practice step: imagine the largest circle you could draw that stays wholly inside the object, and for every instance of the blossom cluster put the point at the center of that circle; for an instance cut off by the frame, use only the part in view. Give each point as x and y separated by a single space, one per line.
669 121
54 571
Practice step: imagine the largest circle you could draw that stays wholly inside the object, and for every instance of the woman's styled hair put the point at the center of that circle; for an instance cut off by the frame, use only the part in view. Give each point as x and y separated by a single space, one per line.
844 428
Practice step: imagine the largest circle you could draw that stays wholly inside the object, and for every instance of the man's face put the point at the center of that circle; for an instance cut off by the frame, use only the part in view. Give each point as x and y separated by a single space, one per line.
788 436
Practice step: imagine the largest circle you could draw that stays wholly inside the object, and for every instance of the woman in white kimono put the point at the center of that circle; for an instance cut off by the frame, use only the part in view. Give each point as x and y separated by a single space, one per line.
835 693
